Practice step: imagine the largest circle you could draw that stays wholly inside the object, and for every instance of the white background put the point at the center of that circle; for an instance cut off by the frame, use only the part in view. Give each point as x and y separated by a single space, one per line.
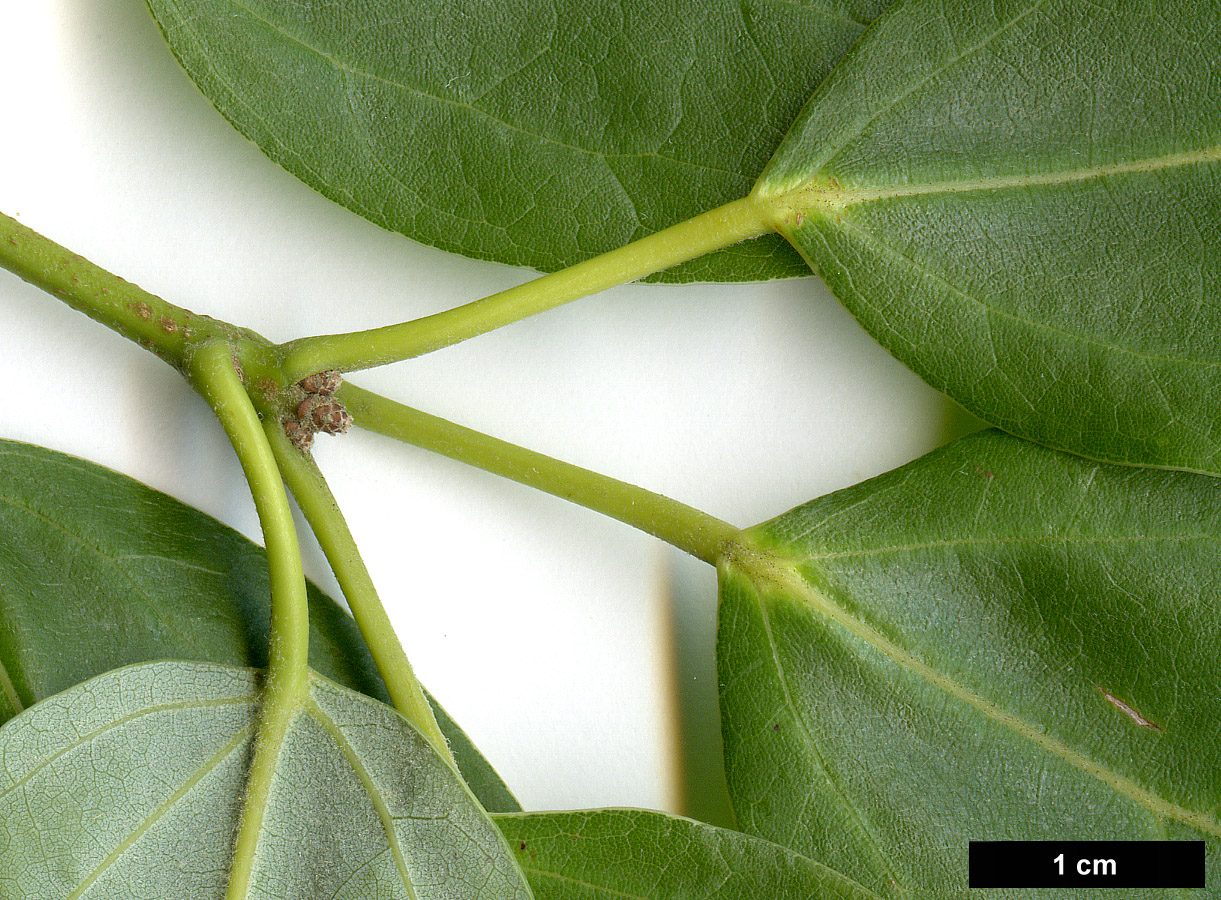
574 650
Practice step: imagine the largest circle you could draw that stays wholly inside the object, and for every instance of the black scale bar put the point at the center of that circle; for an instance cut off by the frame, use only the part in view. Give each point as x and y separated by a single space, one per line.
1077 864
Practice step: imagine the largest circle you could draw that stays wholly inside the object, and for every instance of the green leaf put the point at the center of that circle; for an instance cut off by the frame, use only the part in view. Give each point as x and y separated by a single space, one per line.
98 571
535 134
997 641
130 785
1020 201
644 855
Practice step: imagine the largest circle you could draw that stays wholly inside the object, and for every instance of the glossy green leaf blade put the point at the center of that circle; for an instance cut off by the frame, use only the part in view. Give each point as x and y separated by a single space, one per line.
1022 201
130 785
997 641
98 571
614 854
527 133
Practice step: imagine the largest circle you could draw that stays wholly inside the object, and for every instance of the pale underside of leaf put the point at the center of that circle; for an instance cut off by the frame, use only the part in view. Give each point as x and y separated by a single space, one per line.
137 576
1022 202
131 785
972 648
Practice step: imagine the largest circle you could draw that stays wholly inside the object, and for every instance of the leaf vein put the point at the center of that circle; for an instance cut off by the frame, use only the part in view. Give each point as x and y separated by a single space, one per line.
448 101
1049 540
930 76
1008 314
9 689
128 842
763 568
371 789
110 726
846 197
577 882
824 12
286 150
111 562
852 808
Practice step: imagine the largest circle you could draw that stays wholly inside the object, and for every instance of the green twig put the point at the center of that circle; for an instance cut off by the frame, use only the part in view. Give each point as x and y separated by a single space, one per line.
115 303
328 524
214 375
163 328
687 240
687 528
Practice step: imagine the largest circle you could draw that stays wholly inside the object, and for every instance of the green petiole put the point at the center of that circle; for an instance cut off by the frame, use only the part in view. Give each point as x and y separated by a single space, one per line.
212 370
327 522
720 227
116 303
687 528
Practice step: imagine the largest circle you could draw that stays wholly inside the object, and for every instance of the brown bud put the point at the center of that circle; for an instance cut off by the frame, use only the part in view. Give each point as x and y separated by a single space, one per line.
330 417
326 382
299 435
305 409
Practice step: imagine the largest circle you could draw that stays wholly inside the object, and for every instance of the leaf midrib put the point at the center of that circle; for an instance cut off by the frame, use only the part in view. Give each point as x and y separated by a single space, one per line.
825 195
1021 540
853 809
763 569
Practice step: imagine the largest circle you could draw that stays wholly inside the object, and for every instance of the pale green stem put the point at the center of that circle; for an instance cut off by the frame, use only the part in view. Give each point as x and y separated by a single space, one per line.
179 336
121 306
685 241
328 524
687 528
214 374
163 328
